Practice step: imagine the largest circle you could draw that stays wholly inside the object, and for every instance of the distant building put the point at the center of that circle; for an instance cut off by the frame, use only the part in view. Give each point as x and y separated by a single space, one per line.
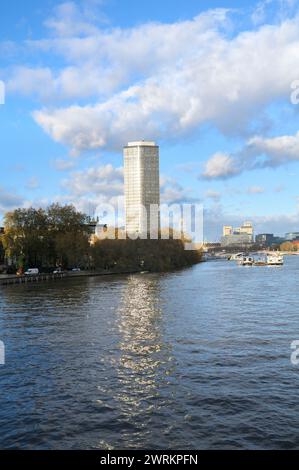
237 239
142 186
240 236
247 228
268 239
227 230
291 236
265 239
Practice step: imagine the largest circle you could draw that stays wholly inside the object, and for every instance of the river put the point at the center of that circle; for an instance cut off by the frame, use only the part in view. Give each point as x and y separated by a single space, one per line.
196 359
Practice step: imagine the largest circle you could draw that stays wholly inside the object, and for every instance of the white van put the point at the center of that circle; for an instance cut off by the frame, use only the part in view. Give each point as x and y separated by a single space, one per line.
32 272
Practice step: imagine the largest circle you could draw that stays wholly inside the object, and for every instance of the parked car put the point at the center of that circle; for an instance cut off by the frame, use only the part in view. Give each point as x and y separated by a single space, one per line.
76 270
32 272
58 271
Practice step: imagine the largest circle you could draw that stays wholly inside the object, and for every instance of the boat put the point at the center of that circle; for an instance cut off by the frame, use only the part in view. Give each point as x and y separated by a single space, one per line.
275 260
260 262
246 261
236 257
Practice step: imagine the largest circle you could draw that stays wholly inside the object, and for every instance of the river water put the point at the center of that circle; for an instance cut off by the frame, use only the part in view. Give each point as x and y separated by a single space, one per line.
197 359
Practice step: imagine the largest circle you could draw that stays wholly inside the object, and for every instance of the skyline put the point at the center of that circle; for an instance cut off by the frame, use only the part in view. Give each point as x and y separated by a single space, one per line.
211 86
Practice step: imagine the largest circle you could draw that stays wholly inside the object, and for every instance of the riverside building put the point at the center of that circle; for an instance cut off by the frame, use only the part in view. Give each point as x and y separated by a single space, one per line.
142 187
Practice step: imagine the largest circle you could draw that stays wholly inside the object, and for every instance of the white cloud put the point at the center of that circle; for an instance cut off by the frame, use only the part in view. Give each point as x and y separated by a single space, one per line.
31 81
109 60
220 166
70 20
277 150
258 152
159 81
105 184
105 181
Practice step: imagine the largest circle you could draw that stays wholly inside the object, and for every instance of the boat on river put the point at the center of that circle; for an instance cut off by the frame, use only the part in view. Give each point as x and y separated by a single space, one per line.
236 257
246 261
271 259
275 260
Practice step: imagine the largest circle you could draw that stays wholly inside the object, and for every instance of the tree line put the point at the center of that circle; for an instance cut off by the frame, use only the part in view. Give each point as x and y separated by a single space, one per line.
60 236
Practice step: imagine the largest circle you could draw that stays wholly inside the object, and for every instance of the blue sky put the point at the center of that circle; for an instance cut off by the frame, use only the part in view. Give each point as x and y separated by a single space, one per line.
209 81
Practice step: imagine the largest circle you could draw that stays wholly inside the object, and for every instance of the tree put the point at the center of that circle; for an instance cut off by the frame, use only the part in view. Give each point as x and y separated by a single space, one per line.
288 246
25 235
46 238
149 255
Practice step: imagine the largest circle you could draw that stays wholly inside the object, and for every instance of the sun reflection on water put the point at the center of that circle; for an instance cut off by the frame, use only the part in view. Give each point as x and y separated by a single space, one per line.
144 361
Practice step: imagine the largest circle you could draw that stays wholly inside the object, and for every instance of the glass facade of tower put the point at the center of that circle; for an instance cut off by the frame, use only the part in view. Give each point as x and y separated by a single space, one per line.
142 186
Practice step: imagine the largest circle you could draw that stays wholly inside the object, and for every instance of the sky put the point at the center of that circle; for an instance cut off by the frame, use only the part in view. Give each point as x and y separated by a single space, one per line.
212 82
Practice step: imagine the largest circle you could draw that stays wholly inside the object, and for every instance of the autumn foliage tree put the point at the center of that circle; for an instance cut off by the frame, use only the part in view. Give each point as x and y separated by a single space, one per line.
150 255
56 236
59 236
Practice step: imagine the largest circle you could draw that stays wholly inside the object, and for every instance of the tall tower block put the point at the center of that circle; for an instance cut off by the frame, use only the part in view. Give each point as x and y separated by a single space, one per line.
142 186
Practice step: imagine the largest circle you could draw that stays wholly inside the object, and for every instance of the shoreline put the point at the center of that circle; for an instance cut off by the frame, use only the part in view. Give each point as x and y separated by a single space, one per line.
9 280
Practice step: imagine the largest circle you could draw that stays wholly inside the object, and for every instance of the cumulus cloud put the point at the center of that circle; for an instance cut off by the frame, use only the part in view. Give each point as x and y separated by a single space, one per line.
276 150
220 166
158 81
258 152
87 189
104 180
70 20
30 80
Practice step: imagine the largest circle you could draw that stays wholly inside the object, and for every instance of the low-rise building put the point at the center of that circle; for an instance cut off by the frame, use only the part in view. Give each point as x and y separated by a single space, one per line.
265 239
237 239
291 236
227 230
240 236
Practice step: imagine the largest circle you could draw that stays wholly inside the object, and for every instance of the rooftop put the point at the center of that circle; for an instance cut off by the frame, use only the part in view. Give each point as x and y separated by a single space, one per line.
142 143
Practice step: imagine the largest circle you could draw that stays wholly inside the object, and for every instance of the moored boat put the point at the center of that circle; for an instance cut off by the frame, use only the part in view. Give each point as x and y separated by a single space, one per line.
275 260
236 257
260 262
246 261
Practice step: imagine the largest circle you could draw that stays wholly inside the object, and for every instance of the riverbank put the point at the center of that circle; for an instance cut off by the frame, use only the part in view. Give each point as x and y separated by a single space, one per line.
39 278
